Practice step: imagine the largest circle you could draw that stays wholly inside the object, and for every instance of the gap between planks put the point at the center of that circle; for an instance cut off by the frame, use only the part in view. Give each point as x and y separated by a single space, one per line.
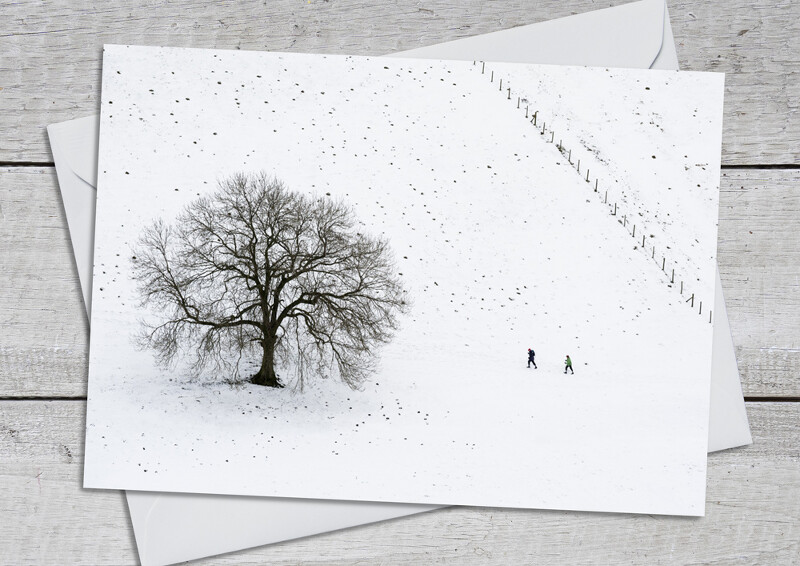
747 399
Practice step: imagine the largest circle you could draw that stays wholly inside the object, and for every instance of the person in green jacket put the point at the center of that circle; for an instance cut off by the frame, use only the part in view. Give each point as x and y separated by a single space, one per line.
568 365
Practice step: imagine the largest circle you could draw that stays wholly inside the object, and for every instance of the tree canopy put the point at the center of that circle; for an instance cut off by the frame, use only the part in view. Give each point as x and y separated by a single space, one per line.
258 270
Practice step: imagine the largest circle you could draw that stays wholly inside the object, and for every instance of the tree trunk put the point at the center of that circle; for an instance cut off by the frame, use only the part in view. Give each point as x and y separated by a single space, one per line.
266 375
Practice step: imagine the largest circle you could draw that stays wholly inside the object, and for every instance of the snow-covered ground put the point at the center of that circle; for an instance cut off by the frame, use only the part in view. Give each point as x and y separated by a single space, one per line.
501 246
648 150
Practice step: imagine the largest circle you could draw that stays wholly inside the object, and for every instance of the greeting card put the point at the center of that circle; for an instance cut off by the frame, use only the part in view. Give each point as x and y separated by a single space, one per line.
413 281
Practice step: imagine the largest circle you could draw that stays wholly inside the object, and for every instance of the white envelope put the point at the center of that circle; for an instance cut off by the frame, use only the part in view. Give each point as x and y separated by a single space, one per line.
176 527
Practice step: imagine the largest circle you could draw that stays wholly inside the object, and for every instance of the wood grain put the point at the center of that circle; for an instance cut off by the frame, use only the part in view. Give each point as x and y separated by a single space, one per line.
752 512
50 71
43 324
50 52
44 350
756 44
759 263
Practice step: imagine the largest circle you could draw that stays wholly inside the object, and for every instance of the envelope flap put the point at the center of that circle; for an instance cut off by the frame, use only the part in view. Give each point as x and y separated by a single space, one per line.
78 144
627 36
172 528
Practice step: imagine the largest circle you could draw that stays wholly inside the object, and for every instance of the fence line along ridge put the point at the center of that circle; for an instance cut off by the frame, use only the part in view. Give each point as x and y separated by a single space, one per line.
615 210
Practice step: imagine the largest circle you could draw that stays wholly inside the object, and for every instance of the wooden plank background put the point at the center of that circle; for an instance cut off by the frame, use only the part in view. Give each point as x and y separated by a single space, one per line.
50 71
41 458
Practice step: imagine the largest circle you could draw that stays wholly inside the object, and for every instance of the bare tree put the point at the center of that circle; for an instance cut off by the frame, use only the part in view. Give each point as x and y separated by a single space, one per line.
258 269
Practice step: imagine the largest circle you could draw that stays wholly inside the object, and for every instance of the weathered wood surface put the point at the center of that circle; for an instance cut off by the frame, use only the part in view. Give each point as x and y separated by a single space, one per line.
50 51
43 324
759 261
752 514
49 72
45 333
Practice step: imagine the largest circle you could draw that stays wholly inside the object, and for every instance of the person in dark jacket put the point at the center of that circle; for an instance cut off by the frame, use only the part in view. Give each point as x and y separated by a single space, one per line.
531 355
568 365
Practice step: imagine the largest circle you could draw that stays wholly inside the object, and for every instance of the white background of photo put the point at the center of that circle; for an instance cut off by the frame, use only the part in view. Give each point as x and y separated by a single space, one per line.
501 245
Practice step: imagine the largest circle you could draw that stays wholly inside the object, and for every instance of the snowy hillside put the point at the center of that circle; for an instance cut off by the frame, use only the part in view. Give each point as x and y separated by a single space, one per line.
501 247
649 146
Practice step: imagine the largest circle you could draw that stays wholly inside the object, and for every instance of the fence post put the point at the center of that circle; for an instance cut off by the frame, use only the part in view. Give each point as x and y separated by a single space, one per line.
483 66
681 287
526 111
509 94
501 85
534 117
587 175
642 241
663 263
673 277
595 182
605 200
709 317
492 79
518 104
569 157
579 165
615 210
634 231
552 136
